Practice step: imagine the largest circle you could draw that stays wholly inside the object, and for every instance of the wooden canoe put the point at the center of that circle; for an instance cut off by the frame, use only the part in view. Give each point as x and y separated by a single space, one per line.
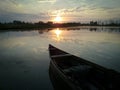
69 72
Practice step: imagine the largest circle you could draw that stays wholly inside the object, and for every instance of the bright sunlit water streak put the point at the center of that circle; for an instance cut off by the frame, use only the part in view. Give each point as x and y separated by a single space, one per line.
24 56
58 33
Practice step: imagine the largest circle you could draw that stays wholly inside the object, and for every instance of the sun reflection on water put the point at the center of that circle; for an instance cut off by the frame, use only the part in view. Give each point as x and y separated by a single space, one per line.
58 33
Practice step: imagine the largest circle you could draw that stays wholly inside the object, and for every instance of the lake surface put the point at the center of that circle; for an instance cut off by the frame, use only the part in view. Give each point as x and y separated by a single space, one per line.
24 56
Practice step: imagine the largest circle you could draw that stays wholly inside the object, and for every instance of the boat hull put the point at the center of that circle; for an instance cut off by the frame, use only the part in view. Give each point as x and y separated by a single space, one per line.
58 81
95 77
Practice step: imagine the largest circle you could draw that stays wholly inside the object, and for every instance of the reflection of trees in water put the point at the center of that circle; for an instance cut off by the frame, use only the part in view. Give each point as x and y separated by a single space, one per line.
93 29
40 31
110 30
114 29
43 31
97 29
89 28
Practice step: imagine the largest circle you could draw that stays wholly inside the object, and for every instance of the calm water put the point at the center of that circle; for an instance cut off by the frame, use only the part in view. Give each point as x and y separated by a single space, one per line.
24 56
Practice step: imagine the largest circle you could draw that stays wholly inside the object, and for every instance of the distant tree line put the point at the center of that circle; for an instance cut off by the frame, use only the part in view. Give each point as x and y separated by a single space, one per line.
42 25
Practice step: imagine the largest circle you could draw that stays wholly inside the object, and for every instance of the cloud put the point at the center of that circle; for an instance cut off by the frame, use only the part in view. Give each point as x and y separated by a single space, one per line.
10 6
46 1
89 12
14 2
10 2
9 17
69 11
29 10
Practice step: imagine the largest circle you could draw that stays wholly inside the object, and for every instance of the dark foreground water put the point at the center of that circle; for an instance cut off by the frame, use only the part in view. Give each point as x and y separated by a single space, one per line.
24 56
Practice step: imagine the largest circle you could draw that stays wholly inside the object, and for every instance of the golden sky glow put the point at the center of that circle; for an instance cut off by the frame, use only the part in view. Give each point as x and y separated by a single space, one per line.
59 10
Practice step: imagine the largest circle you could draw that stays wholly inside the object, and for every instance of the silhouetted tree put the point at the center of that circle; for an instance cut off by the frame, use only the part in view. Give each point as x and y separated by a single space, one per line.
16 24
50 22
93 23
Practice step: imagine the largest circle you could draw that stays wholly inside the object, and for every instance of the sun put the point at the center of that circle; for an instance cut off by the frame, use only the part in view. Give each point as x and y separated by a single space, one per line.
58 19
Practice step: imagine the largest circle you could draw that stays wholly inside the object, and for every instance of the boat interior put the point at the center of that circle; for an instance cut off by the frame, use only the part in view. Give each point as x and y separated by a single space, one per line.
85 74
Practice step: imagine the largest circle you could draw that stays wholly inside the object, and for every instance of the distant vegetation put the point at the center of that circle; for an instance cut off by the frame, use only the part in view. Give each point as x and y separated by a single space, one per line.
42 25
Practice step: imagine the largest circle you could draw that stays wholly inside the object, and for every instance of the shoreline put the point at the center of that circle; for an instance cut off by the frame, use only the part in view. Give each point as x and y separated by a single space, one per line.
62 27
